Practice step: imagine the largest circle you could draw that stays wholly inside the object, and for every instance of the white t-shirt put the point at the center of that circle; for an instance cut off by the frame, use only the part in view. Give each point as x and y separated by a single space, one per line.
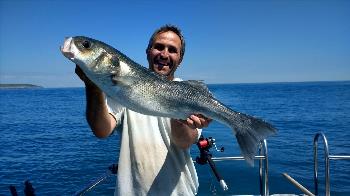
149 163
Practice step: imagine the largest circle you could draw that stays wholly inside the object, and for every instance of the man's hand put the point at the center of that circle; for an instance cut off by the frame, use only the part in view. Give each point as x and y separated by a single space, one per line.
184 132
84 78
197 121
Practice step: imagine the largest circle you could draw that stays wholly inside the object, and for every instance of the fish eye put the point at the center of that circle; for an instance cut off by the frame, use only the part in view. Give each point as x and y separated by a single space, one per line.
86 44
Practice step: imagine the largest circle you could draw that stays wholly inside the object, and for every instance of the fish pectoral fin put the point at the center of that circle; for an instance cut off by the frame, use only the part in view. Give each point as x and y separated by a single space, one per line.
101 59
114 61
124 80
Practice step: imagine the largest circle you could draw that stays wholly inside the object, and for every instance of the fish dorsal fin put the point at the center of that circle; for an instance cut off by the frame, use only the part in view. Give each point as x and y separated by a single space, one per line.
163 77
198 84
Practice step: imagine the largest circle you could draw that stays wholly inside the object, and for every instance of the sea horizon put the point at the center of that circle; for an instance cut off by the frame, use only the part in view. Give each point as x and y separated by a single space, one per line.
219 83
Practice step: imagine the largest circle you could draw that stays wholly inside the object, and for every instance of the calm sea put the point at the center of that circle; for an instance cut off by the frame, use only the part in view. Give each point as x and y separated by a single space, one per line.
45 139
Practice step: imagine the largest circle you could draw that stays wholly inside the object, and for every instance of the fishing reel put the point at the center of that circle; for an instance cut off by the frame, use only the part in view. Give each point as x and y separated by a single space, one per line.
204 145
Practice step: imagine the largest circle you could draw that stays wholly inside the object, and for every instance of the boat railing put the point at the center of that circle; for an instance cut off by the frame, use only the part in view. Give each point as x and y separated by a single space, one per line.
263 171
327 158
263 166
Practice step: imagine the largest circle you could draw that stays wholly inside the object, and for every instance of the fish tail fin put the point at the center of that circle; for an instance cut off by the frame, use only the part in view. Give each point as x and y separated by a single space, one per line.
250 132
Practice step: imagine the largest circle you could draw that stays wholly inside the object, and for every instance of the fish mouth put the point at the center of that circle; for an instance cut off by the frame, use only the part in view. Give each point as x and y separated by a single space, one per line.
69 55
66 48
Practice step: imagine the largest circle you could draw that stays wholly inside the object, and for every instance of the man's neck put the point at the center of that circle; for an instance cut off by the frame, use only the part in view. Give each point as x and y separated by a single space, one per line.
171 78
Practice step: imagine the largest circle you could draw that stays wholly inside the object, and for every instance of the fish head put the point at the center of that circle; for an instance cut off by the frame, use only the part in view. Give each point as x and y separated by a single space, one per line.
92 56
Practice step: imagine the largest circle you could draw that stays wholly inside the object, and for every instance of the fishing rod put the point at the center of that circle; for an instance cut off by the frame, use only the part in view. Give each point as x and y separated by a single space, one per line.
204 144
112 170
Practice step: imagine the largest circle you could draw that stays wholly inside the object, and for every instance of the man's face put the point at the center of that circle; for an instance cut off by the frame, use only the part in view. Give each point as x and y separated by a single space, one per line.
164 55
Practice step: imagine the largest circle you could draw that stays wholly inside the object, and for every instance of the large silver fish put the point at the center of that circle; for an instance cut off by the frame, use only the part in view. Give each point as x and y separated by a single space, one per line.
143 91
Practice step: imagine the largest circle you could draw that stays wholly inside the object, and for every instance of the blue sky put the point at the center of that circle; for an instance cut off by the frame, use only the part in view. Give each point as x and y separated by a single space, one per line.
227 41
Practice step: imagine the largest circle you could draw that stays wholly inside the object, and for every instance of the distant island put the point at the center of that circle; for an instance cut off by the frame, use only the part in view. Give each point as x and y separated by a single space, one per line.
19 86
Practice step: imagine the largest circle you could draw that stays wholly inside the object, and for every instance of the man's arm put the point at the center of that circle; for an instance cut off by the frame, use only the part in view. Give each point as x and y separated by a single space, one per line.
101 122
184 132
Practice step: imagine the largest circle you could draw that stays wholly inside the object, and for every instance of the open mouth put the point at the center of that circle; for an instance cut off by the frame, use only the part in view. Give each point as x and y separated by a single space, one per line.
161 65
69 55
66 48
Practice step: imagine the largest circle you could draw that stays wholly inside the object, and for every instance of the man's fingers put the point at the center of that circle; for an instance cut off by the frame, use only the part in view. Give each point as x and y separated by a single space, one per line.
83 77
191 123
204 122
196 121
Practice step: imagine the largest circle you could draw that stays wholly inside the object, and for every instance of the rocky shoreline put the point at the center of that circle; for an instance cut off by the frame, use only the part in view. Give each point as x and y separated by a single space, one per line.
6 86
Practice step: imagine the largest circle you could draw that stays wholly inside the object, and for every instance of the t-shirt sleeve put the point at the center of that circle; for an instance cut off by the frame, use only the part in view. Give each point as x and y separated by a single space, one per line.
199 133
115 109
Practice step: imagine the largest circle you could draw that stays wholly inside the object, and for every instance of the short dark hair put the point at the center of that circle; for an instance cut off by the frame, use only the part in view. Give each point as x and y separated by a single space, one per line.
166 28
